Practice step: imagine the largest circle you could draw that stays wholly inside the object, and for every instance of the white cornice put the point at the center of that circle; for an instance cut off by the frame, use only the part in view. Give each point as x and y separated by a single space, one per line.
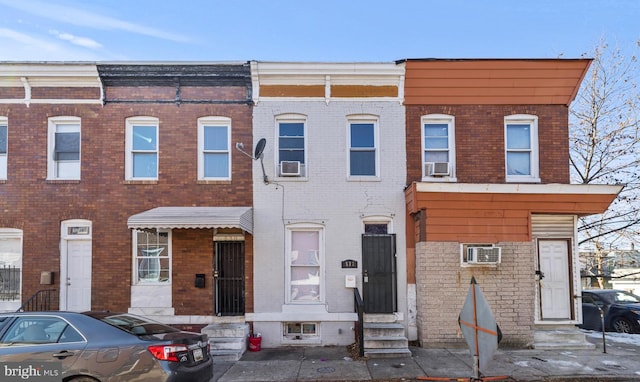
49 75
554 188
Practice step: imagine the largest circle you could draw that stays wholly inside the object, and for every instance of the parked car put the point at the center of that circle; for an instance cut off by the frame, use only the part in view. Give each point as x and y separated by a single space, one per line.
621 310
101 346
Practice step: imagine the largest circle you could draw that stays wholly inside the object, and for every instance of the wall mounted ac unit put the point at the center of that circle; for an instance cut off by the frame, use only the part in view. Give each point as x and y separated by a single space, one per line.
290 168
484 255
436 168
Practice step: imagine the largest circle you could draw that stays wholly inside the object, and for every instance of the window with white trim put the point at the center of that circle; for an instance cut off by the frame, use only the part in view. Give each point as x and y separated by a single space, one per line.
152 256
521 148
305 257
438 146
10 264
214 154
363 147
141 148
301 330
292 142
4 146
64 148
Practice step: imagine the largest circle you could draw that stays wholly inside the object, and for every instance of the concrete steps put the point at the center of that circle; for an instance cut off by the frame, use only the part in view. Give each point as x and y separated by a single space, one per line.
228 341
560 337
384 337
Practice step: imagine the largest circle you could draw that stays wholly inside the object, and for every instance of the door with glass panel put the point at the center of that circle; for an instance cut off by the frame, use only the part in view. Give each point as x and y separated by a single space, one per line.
229 278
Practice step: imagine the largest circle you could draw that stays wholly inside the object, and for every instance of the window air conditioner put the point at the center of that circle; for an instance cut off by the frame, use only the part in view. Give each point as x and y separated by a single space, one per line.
484 255
437 168
290 168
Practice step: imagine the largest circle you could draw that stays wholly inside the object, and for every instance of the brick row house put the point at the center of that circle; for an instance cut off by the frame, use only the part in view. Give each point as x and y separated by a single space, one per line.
137 186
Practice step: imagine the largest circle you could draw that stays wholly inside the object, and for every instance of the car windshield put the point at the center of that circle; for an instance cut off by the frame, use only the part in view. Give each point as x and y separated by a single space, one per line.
135 325
626 298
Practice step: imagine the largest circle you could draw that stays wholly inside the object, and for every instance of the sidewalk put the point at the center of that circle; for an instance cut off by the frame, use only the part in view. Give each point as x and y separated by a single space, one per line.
620 363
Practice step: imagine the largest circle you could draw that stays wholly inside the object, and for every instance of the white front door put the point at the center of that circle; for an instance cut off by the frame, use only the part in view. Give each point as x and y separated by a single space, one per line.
79 275
555 300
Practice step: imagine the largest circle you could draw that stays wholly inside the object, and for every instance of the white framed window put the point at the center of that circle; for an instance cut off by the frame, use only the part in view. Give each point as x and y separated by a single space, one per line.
152 256
363 142
521 148
300 331
305 258
438 147
10 265
141 161
4 146
292 145
64 148
214 154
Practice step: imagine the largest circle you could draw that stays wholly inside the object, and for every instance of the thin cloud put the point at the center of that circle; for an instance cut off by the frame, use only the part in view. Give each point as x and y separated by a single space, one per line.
81 41
83 18
26 39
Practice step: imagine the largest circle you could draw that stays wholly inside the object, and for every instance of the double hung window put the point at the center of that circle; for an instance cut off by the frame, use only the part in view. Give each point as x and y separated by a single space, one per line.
291 145
363 147
4 143
521 148
142 148
438 146
64 148
214 155
305 271
152 257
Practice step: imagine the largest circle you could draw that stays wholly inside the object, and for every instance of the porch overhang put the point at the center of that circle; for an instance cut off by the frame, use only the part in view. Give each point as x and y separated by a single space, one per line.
497 212
193 217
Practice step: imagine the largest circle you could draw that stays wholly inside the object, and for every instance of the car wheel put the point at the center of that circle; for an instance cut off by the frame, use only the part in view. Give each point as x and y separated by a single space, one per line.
82 379
622 325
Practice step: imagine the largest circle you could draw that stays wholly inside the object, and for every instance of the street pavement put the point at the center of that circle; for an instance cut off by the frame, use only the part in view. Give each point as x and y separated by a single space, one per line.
621 362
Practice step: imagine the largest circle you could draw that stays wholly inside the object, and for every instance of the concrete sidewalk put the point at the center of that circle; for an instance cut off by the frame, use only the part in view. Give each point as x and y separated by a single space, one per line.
620 363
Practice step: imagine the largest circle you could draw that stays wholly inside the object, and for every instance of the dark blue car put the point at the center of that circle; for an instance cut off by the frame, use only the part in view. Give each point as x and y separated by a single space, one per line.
621 310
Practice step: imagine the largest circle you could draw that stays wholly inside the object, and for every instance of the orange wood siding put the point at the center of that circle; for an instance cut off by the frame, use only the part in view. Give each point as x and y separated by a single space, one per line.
292 91
493 81
361 91
494 217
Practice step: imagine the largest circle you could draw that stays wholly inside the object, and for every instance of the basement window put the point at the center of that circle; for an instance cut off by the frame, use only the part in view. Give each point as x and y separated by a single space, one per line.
300 330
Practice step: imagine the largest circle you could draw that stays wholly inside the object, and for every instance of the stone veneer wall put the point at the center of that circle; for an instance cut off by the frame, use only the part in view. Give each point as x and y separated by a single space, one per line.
443 283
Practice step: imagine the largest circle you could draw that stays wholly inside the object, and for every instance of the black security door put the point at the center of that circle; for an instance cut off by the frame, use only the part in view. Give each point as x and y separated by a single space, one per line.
379 273
229 278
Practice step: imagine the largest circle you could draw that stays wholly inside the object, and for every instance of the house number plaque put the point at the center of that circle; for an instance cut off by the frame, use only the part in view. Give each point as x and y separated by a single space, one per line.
349 264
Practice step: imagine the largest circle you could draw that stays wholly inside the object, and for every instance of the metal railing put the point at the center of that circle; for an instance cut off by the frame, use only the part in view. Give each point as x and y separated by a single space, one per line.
359 309
42 300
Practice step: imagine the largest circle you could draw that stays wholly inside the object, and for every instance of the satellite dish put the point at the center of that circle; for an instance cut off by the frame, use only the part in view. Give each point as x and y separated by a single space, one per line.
259 148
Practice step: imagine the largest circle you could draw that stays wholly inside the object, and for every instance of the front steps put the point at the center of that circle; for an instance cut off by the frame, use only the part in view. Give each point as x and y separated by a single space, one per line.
384 337
560 337
228 341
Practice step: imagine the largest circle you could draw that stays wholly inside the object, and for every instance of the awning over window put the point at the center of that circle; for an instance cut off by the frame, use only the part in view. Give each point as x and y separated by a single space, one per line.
194 217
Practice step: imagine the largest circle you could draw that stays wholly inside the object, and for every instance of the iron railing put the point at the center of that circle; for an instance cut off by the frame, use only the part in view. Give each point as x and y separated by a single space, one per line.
42 300
359 309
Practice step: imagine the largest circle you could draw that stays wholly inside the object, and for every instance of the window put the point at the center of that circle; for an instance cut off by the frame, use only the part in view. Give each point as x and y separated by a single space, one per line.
152 257
300 330
142 148
10 264
64 148
41 330
521 146
305 272
4 143
363 153
214 156
291 145
438 146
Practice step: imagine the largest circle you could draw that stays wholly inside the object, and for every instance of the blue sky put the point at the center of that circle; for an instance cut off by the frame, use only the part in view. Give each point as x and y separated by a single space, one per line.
310 30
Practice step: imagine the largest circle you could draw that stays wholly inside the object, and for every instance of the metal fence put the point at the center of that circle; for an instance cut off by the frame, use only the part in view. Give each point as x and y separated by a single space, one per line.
9 283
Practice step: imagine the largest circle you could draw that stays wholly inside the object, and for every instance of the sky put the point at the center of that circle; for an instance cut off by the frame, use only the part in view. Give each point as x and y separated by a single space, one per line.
311 30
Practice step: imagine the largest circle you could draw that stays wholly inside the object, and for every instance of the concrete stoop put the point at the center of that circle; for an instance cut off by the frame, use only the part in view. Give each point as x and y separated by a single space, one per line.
384 337
228 341
560 338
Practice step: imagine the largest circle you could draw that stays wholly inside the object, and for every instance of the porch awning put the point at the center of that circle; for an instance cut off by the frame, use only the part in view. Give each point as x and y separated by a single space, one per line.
194 217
